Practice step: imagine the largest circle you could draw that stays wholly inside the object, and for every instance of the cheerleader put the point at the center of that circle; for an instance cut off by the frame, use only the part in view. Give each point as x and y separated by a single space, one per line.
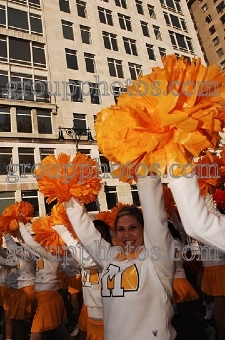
50 311
141 260
91 318
21 301
7 263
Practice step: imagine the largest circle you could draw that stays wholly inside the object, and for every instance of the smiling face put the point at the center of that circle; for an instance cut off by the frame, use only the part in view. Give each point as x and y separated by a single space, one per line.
129 233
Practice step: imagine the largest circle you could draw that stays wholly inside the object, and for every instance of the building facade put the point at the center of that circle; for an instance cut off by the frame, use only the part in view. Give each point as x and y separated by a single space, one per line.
209 20
61 61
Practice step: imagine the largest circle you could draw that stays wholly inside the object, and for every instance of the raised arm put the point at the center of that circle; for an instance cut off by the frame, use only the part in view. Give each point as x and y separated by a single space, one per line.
199 223
77 251
28 239
87 233
157 237
17 250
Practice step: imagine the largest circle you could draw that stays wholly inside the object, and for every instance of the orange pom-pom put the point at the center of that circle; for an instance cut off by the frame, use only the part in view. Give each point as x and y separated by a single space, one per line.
59 178
20 211
165 117
109 216
210 173
59 216
47 237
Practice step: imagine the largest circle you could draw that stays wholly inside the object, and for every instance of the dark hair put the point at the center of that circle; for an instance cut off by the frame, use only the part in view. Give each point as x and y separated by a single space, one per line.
104 230
130 210
174 232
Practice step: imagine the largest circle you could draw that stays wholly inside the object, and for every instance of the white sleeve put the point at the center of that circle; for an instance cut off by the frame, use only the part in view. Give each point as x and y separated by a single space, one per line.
17 250
157 237
89 236
199 223
77 251
28 239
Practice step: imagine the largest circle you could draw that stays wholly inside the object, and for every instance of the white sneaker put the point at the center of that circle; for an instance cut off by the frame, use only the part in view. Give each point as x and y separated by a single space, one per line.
209 312
210 333
75 331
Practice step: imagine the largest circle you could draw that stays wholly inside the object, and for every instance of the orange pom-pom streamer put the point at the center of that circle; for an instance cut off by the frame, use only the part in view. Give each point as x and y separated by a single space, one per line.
59 178
17 212
165 117
47 237
59 216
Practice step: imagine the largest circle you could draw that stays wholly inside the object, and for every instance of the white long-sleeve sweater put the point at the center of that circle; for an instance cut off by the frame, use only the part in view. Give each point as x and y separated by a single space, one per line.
6 263
90 275
136 293
46 265
26 264
198 222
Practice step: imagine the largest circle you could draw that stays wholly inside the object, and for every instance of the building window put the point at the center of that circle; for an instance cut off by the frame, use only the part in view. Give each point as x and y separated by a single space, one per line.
46 152
21 87
4 92
67 28
5 119
115 68
105 16
204 8
38 54
23 120
85 34
71 59
208 19
111 196
90 62
35 24
150 50
19 51
5 159
223 19
76 90
3 48
151 11
17 19
144 26
157 32
41 89
135 196
2 17
125 22
181 42
117 92
81 8
139 7
135 70
172 5
110 41
212 29
216 41
121 3
220 52
44 120
130 46
223 64
92 206
79 121
162 51
220 7
6 198
64 6
26 160
94 93
31 196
